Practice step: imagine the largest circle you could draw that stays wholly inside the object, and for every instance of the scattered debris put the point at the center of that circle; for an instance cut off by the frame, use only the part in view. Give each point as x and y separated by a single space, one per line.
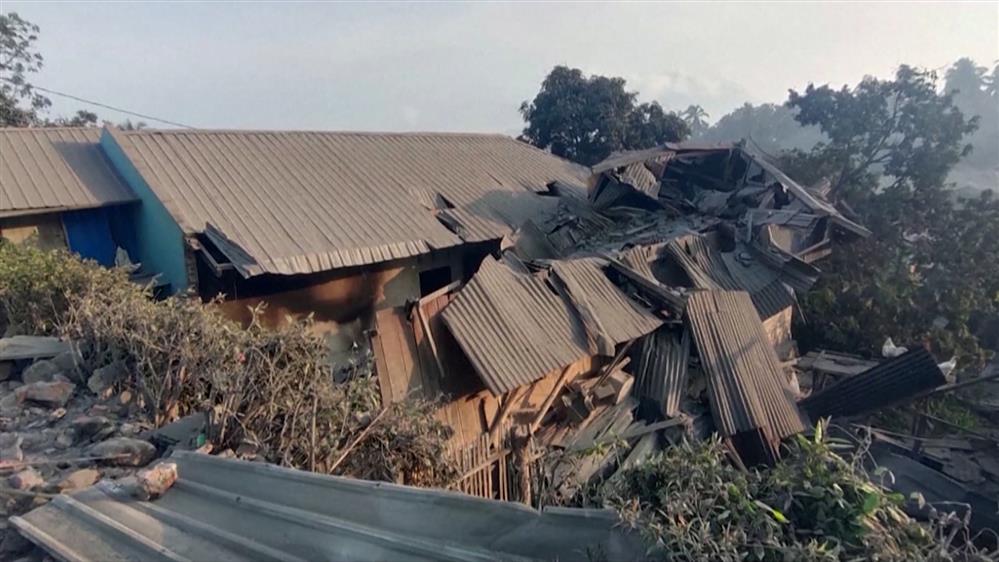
154 481
26 479
79 479
124 451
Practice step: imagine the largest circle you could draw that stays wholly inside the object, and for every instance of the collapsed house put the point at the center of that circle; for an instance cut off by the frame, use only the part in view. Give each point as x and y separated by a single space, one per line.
543 304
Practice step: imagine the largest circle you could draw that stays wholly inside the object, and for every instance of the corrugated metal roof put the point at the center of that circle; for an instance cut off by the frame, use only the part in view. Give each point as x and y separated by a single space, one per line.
226 509
513 327
301 202
621 318
893 381
660 366
746 386
53 169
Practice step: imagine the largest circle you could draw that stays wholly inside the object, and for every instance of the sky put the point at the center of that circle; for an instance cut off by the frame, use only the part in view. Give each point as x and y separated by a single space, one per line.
468 66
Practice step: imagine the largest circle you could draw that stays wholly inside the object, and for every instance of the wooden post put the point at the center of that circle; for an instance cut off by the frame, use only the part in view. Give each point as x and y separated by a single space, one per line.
562 380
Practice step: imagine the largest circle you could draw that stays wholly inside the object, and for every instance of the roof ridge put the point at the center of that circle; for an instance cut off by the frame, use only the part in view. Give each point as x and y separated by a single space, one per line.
317 132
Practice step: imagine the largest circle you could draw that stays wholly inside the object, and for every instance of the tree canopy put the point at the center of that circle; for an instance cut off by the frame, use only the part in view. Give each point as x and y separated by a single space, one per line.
586 118
928 274
19 102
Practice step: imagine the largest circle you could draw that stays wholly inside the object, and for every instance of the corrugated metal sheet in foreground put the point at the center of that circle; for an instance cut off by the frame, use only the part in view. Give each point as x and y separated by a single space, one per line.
303 202
746 387
513 327
54 169
225 509
907 375
661 369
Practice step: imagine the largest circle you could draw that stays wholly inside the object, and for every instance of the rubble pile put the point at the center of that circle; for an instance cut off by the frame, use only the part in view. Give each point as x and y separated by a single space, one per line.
61 429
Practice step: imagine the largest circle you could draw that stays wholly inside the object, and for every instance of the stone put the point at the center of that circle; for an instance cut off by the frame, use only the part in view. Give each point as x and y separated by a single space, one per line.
10 405
65 440
40 371
79 479
126 450
89 427
6 370
57 414
154 481
13 544
103 380
10 449
56 393
71 364
26 479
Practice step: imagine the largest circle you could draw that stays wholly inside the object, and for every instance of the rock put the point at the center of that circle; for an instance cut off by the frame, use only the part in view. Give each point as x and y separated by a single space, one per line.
57 414
10 405
89 427
103 380
154 481
6 369
13 544
26 479
71 364
65 440
40 371
79 479
129 451
10 449
55 393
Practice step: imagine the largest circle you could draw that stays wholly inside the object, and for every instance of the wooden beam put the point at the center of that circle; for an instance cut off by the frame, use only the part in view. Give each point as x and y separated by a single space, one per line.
442 291
559 385
513 396
425 324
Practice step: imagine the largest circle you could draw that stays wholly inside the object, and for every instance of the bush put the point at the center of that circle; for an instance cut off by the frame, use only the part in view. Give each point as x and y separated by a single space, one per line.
272 388
691 504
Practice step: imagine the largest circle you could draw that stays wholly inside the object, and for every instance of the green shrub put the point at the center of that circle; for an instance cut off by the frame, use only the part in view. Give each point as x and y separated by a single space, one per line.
272 388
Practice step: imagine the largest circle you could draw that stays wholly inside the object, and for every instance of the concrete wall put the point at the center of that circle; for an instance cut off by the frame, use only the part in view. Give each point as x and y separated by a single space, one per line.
159 241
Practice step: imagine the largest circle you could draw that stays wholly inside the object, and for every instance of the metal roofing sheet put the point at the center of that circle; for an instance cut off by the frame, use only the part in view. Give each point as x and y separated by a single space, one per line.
513 327
897 379
301 202
621 318
52 169
746 386
226 509
660 366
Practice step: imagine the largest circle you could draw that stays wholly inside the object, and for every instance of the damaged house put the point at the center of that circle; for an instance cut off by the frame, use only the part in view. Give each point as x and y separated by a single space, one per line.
337 225
58 190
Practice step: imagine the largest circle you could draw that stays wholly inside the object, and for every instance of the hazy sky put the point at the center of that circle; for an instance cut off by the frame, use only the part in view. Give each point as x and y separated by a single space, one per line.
463 66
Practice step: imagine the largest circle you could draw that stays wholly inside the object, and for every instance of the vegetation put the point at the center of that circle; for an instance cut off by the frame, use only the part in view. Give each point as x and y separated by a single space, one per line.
691 504
927 275
271 389
585 119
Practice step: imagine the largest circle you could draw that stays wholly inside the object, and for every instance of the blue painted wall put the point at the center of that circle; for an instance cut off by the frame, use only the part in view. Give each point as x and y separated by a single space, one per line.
159 241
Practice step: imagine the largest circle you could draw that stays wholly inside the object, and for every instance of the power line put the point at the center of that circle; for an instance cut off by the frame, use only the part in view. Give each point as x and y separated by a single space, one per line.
113 108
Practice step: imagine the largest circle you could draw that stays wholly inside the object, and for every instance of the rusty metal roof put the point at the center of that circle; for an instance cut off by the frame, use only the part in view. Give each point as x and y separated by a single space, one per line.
660 366
228 510
746 387
893 381
620 318
513 327
301 202
55 169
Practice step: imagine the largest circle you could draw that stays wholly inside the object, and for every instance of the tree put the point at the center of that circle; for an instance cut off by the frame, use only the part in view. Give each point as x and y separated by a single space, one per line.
696 118
770 128
931 263
17 60
974 91
901 130
585 119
